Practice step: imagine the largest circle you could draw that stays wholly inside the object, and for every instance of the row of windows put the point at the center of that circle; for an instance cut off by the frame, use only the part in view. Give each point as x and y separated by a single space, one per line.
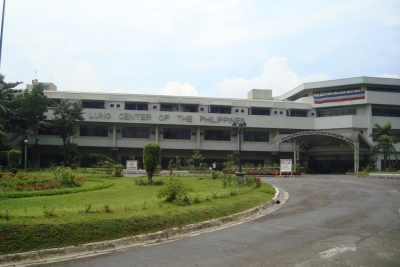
296 113
385 112
94 104
168 133
337 91
382 89
337 112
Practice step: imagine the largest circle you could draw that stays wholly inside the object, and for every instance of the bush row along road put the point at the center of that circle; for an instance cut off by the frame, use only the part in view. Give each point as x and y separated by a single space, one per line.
329 220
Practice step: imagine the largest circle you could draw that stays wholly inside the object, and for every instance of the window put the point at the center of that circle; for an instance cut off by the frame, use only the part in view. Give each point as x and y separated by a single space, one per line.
135 132
93 104
220 109
261 111
176 133
296 113
275 112
201 109
190 109
254 136
53 101
336 112
385 112
118 105
337 91
281 112
135 106
111 105
93 130
236 110
242 110
218 135
166 108
154 107
382 89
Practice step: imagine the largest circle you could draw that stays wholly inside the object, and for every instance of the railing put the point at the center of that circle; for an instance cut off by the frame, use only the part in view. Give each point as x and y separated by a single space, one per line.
13 141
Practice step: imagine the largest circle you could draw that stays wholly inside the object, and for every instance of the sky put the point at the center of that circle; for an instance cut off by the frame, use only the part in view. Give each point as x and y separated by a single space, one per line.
204 48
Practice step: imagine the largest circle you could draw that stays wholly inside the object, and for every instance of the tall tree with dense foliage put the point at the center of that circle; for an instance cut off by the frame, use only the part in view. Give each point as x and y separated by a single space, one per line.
151 158
64 123
6 94
33 106
385 141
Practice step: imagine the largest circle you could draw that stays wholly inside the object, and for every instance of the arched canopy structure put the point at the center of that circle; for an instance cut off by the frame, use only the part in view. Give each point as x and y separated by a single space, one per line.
322 138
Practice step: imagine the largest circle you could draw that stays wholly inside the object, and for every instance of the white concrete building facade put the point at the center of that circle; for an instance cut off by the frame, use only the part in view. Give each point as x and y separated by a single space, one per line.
119 125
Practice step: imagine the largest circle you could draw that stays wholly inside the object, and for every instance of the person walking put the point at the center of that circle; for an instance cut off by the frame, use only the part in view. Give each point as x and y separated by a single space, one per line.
214 166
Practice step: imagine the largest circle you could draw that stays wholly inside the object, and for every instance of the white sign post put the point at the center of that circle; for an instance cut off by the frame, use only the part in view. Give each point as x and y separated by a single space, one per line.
286 165
131 165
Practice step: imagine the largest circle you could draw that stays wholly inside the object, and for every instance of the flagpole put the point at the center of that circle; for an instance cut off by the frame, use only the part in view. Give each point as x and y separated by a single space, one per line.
1 34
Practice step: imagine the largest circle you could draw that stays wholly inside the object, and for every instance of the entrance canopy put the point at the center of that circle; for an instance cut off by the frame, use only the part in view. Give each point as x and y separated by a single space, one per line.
321 138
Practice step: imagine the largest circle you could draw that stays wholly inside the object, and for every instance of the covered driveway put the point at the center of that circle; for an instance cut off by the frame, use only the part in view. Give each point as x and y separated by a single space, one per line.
308 139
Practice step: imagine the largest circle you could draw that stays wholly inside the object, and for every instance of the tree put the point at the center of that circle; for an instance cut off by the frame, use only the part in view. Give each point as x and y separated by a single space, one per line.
171 167
3 135
65 116
151 158
33 106
231 162
71 152
6 94
385 141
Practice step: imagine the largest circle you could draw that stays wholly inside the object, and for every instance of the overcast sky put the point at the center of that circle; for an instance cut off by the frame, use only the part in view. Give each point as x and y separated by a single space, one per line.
198 47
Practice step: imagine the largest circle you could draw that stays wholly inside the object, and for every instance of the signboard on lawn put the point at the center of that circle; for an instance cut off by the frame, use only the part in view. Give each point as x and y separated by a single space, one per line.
131 165
286 165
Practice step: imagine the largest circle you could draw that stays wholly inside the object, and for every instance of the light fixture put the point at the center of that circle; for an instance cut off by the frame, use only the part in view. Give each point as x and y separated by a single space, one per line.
238 129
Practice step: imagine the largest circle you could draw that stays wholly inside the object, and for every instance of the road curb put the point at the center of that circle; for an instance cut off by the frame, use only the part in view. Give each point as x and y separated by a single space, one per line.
90 249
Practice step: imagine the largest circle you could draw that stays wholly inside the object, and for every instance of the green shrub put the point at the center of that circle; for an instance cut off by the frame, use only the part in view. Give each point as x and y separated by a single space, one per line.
118 170
214 175
175 189
14 157
151 158
66 176
228 181
140 181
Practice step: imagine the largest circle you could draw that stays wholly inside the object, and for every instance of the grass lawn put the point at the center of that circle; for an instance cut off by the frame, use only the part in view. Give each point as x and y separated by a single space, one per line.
124 209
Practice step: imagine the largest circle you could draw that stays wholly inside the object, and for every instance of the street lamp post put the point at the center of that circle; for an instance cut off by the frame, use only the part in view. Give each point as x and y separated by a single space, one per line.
26 151
238 129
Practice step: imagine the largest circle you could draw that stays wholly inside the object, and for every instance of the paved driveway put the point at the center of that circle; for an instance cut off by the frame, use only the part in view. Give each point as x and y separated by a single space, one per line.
328 221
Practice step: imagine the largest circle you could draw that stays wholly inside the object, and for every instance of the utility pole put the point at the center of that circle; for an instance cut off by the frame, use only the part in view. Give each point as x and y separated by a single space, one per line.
2 25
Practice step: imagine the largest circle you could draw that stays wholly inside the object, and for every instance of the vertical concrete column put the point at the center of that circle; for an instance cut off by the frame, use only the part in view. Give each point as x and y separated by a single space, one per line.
114 134
198 138
156 139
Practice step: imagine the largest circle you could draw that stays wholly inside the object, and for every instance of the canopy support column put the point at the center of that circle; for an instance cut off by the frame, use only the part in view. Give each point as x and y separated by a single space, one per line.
296 152
356 149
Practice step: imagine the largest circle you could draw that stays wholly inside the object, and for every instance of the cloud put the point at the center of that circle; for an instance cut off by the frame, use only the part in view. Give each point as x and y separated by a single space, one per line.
84 78
176 88
275 76
387 75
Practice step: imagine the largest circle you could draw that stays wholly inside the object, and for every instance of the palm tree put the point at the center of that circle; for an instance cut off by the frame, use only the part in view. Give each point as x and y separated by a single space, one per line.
385 141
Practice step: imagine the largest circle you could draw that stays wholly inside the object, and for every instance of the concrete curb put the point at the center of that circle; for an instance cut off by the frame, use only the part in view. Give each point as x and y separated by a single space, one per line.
381 176
91 249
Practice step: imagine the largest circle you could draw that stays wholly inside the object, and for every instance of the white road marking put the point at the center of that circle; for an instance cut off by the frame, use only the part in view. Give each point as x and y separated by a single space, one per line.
336 250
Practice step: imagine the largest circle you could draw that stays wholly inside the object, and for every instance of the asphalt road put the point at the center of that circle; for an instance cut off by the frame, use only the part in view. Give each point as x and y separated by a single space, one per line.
328 221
